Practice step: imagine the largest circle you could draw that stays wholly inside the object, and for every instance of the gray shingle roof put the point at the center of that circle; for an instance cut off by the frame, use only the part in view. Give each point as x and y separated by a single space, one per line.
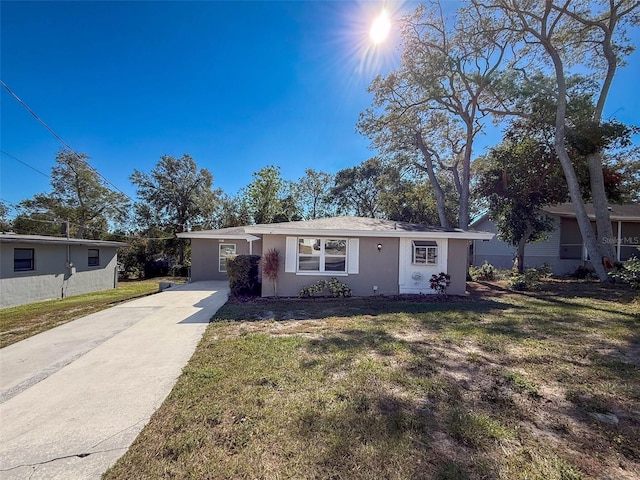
43 239
628 211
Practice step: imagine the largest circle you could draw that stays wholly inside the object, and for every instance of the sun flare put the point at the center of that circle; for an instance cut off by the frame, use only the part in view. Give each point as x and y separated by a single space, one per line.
380 28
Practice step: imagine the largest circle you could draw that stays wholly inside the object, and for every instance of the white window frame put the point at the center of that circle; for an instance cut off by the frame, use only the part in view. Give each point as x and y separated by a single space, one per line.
323 256
222 266
428 246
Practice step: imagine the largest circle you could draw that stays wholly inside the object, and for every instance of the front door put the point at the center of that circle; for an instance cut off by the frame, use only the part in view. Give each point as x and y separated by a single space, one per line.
419 259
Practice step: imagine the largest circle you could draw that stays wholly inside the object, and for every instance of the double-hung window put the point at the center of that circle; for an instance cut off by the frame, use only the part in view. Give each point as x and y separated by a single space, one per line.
94 257
23 259
322 255
226 250
425 252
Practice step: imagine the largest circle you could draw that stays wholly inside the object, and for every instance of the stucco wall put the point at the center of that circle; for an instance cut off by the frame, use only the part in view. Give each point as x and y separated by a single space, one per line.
51 278
379 268
457 266
205 253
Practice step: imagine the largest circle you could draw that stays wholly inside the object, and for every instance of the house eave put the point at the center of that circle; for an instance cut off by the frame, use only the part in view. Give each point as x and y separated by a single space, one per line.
215 236
454 234
43 240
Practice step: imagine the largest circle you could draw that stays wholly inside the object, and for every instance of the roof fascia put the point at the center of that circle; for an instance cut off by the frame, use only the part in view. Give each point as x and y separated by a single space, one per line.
214 236
465 235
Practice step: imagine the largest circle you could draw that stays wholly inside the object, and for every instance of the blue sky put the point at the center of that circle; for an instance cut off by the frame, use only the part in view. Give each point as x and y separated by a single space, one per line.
237 85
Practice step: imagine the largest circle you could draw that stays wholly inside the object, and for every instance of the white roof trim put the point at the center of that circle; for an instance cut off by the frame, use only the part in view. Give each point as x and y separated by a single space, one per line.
319 232
213 235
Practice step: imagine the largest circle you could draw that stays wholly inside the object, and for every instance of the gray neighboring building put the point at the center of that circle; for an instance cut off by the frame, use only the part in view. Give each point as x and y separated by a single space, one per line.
34 268
564 248
372 256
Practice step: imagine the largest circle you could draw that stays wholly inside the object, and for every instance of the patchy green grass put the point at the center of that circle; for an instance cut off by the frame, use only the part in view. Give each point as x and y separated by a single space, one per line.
498 385
18 323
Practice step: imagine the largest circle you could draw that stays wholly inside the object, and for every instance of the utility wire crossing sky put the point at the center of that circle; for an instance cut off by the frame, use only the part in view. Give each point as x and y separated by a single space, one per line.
237 85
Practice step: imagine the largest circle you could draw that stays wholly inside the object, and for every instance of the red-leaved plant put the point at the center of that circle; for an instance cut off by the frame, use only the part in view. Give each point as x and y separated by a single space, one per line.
271 267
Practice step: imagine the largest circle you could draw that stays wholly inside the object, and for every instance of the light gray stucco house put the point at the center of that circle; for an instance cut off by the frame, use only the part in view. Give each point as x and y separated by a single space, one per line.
564 248
35 268
372 256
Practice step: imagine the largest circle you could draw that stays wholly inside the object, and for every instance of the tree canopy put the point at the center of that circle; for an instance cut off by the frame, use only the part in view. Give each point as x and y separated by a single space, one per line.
79 195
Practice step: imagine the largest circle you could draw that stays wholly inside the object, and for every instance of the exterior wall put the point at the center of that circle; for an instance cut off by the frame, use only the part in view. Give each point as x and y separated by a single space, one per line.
629 239
501 254
51 277
564 239
416 278
457 266
375 268
205 255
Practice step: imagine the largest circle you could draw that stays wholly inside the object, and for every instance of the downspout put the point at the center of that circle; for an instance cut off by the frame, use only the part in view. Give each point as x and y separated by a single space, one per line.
619 245
68 265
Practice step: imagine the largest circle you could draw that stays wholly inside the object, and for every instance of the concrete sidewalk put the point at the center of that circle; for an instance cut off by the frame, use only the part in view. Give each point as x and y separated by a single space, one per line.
74 398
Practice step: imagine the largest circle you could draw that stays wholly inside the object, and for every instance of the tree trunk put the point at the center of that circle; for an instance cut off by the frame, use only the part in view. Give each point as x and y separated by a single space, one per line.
520 254
588 236
463 204
439 193
604 231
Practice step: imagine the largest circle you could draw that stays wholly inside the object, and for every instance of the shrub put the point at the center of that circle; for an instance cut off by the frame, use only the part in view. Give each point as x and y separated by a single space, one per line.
243 275
179 270
336 288
484 272
440 282
271 268
530 279
628 273
582 272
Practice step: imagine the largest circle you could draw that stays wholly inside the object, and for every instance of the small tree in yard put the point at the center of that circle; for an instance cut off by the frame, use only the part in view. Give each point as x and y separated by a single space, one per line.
271 267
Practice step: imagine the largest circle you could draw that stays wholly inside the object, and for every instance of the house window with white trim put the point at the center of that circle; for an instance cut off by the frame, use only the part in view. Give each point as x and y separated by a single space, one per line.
425 252
322 255
226 250
23 259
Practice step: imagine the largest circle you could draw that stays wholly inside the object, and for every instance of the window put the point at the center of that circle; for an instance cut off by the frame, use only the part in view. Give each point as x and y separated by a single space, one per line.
94 257
322 255
425 252
23 259
571 247
226 250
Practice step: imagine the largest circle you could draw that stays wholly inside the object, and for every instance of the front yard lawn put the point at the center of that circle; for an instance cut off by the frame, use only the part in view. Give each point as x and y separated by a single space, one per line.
497 385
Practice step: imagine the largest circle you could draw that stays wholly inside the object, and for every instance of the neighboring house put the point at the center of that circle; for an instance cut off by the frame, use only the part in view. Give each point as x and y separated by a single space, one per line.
564 249
371 256
35 268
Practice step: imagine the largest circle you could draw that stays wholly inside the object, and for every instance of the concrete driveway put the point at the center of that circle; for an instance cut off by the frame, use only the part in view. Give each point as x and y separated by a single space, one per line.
74 398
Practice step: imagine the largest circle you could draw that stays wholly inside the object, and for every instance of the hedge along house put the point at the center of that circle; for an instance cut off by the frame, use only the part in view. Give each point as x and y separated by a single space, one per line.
35 268
371 256
563 248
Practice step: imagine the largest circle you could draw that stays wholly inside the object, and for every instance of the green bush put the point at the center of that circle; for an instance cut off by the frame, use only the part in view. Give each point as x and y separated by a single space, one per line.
179 270
530 279
628 273
243 275
335 287
484 272
582 272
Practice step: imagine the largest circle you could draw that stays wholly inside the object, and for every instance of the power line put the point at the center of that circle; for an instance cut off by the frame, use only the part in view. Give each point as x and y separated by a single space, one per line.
59 138
57 221
25 164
